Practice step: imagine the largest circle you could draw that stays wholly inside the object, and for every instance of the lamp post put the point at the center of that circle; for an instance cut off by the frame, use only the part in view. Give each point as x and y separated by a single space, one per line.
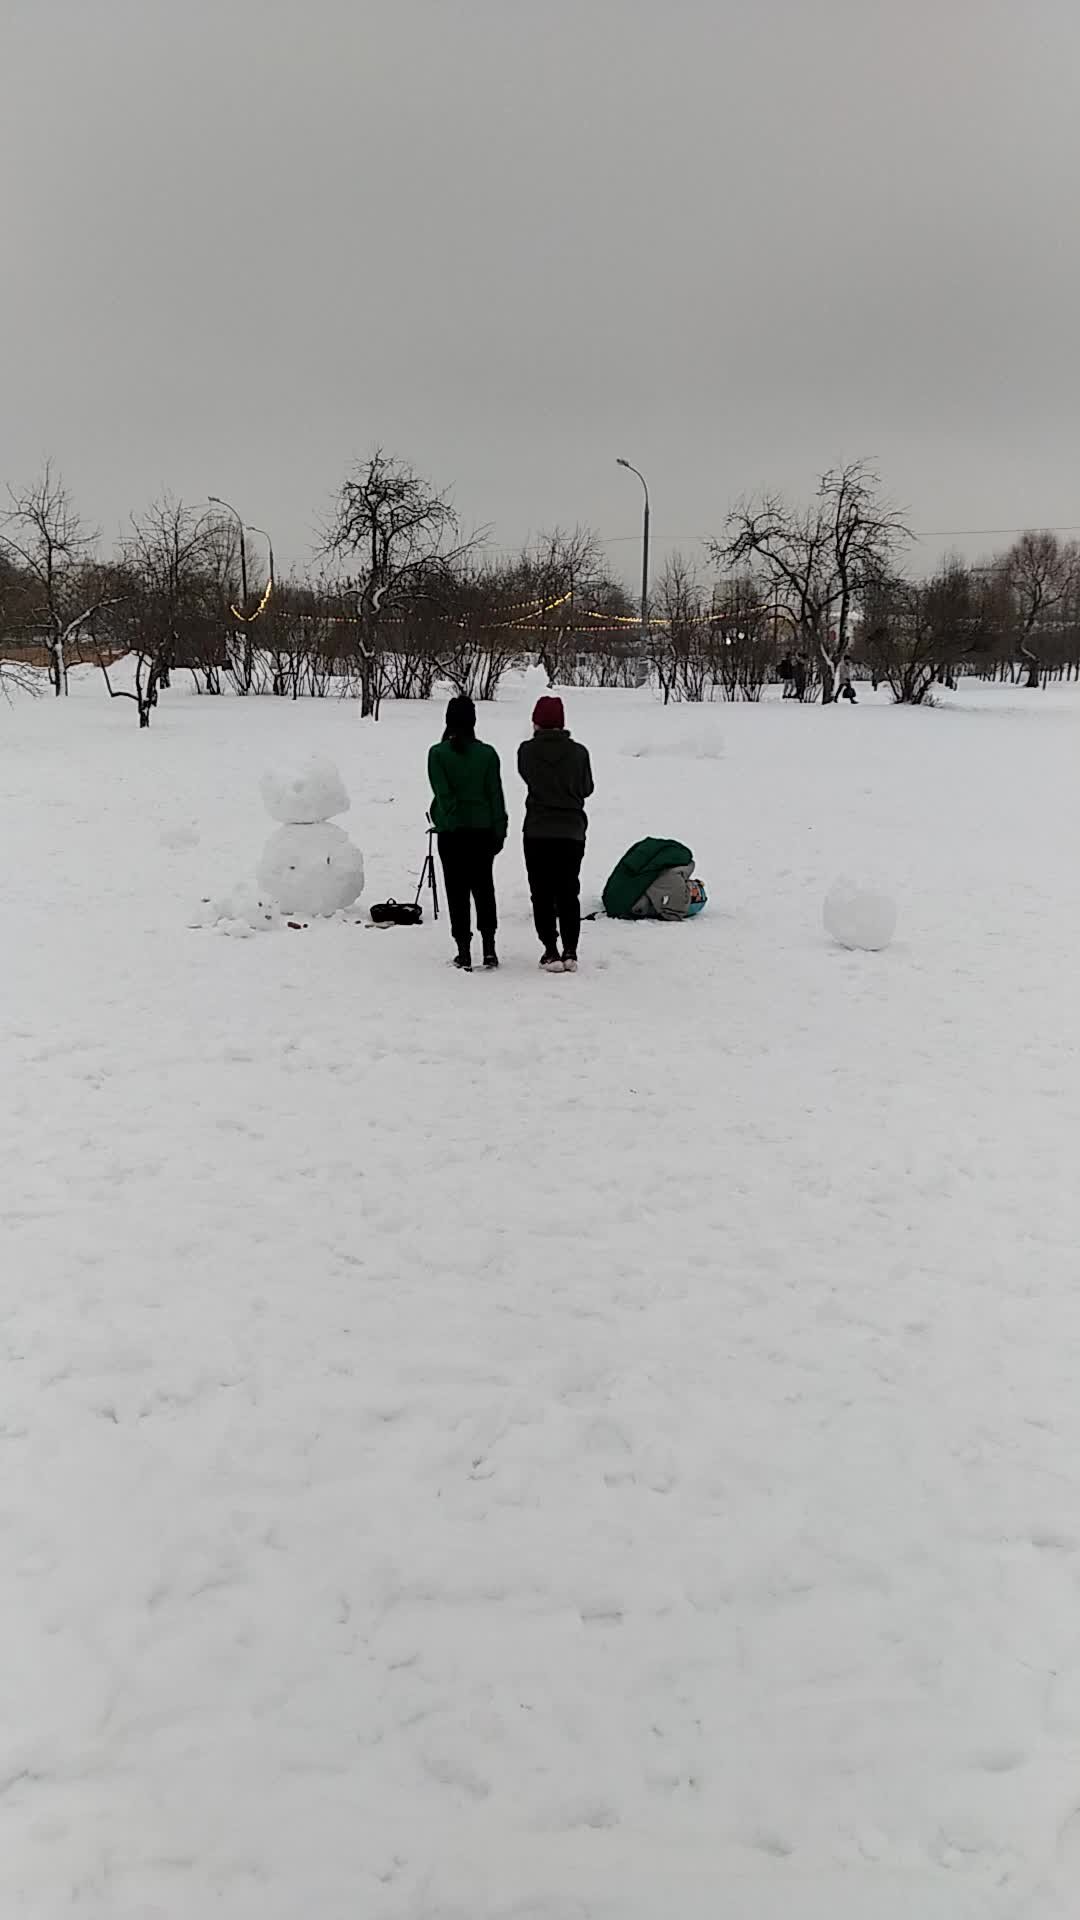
644 550
242 612
215 502
269 552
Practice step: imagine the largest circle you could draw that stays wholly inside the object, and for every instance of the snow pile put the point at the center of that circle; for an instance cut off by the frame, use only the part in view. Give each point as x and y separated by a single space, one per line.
311 870
858 916
238 911
306 795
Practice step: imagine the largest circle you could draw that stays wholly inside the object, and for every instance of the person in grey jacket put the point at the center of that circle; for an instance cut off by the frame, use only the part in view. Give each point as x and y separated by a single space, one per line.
558 776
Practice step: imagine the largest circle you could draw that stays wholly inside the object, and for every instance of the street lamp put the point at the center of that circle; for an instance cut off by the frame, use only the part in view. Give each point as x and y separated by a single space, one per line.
215 502
644 550
269 563
241 612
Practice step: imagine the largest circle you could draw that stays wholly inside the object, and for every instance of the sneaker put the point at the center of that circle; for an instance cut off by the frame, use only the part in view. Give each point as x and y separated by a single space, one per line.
491 960
463 960
550 963
569 963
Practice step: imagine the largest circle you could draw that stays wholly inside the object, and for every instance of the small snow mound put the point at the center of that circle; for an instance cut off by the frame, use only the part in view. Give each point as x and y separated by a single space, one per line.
240 910
312 870
237 911
179 836
304 796
696 743
859 917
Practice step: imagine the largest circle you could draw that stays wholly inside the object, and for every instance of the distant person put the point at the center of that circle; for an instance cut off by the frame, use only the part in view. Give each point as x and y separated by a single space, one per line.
800 676
784 673
847 685
558 779
468 812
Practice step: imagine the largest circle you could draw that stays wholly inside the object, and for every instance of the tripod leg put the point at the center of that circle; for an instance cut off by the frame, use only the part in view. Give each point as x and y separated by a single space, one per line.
429 875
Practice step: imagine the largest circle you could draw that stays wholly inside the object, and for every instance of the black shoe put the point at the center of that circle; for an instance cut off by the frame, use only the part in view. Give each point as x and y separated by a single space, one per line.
463 960
491 959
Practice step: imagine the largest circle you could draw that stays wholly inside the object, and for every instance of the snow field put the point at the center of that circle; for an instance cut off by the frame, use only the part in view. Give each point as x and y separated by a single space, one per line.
562 1450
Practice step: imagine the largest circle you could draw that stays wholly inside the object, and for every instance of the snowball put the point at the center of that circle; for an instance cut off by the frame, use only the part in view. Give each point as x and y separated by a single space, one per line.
311 869
859 916
304 795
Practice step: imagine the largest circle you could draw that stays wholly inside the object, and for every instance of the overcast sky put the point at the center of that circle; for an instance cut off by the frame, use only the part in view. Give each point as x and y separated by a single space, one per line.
735 240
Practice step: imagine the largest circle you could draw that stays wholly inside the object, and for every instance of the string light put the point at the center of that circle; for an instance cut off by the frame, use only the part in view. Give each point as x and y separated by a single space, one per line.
246 619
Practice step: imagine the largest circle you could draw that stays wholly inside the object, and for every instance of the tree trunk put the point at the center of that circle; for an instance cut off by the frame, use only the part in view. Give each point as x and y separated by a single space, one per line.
367 688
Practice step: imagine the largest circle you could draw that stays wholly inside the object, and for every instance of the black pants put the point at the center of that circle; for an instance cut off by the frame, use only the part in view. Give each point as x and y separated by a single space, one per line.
468 858
554 870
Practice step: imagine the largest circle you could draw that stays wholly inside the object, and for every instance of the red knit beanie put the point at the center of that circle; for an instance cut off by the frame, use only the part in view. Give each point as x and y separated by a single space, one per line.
548 712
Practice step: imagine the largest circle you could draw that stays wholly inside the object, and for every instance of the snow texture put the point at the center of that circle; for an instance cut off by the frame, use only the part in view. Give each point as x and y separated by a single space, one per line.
180 836
305 796
859 917
678 741
521 1449
311 870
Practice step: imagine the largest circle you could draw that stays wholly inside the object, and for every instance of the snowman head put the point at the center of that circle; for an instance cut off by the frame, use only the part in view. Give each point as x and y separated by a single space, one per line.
304 795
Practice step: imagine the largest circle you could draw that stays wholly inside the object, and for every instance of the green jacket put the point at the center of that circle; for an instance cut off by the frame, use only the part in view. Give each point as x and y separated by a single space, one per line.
467 789
637 870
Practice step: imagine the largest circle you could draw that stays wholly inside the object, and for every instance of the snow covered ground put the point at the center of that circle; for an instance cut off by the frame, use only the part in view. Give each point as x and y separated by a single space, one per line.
542 1449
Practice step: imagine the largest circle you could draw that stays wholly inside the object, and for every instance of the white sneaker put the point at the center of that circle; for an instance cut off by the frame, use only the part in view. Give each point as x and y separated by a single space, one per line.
569 964
550 963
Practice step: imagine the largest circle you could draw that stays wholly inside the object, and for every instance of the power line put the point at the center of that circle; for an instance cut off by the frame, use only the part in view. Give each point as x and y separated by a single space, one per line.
929 533
970 533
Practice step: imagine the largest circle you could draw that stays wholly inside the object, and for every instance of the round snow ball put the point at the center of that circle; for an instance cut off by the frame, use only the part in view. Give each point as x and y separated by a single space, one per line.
305 795
311 870
859 917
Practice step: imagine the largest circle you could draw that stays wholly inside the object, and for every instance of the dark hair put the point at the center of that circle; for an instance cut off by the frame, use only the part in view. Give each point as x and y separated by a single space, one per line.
460 722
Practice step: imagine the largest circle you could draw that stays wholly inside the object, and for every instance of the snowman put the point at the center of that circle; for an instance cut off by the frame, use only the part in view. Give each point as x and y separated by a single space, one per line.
309 866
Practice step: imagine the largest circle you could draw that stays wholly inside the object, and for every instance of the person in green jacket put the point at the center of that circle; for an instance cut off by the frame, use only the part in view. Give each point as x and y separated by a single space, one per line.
468 812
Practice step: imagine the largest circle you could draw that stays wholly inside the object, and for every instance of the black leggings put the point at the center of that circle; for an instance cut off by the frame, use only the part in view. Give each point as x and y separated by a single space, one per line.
468 858
554 870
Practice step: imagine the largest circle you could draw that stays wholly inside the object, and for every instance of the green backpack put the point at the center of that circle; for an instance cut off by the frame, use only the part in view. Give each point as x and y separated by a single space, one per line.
636 872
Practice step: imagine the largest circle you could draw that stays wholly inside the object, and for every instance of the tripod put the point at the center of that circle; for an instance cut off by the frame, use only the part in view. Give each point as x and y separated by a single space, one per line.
428 877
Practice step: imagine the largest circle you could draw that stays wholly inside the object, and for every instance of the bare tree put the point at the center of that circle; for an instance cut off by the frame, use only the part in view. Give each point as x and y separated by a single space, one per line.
390 527
43 535
482 607
679 636
818 559
915 633
559 570
1040 571
18 672
743 630
169 559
